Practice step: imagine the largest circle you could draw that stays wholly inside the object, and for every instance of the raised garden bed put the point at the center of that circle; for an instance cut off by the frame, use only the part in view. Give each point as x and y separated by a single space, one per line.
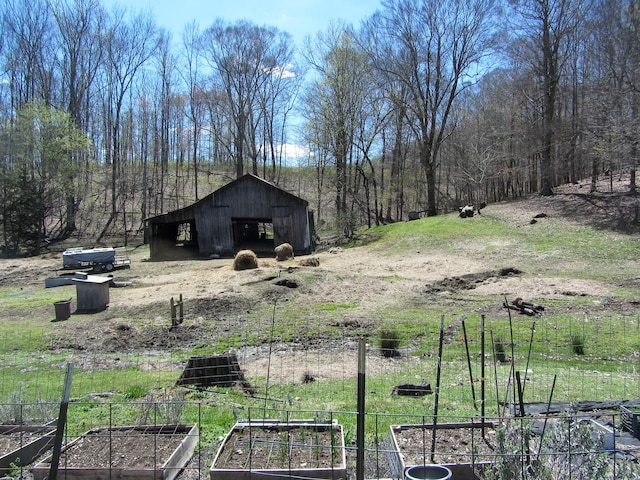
630 420
134 452
20 445
273 450
461 447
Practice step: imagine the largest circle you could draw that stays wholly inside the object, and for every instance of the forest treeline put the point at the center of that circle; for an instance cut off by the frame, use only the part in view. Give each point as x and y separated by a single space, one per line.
105 119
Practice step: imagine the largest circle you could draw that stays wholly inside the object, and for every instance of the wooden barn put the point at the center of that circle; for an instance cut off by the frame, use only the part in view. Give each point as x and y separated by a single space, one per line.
248 213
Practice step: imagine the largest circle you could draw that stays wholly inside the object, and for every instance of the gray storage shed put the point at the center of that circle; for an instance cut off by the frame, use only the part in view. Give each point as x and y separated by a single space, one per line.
92 293
248 213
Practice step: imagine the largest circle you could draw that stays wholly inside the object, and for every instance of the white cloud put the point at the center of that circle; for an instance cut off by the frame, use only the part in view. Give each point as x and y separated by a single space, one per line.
294 154
294 151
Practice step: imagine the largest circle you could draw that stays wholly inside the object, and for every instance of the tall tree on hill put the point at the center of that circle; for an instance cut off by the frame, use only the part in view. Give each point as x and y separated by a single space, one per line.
337 100
546 27
128 47
80 25
196 105
165 65
616 99
276 100
245 58
430 47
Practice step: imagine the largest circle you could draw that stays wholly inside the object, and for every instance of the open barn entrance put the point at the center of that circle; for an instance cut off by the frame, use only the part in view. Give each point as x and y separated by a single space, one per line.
253 234
175 240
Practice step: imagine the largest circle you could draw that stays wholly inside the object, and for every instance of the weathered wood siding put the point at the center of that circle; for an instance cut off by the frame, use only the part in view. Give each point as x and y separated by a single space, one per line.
248 199
251 198
213 223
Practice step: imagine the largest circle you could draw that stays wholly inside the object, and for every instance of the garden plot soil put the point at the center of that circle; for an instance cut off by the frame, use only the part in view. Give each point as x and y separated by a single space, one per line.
131 449
264 448
453 445
13 441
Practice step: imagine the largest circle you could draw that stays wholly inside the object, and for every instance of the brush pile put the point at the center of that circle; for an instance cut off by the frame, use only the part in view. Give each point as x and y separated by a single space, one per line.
523 307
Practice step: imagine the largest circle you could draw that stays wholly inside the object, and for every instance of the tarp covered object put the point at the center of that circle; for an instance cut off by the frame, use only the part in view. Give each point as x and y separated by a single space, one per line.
77 257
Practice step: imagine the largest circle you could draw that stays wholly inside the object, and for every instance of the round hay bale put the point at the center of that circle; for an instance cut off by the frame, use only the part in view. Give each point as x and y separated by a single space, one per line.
245 260
310 262
284 252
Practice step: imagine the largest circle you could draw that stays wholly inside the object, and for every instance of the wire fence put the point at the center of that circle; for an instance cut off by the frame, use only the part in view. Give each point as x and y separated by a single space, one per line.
537 392
570 445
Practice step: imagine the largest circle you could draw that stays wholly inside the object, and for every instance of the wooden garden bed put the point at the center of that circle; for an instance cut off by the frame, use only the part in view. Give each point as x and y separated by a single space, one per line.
20 445
272 450
461 447
140 452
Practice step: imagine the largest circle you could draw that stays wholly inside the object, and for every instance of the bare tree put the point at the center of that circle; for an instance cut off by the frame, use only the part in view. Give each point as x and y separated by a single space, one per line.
276 101
128 47
430 48
396 146
547 27
245 59
80 23
615 98
165 65
30 45
196 105
337 98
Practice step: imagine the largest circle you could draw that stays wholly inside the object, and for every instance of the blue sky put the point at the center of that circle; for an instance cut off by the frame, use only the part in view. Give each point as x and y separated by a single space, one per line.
298 17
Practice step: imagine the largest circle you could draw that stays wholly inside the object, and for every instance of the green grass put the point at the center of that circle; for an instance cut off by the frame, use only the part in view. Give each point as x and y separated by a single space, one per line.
112 388
332 307
427 233
568 250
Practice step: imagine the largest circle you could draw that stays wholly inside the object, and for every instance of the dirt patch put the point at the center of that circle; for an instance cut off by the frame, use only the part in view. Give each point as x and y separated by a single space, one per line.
127 448
281 448
459 445
609 207
297 364
470 281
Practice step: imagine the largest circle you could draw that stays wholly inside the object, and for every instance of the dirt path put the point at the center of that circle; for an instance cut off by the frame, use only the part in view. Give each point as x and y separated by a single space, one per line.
364 277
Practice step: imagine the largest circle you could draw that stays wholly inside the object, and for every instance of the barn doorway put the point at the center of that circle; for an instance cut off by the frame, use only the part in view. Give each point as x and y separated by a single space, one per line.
175 240
253 234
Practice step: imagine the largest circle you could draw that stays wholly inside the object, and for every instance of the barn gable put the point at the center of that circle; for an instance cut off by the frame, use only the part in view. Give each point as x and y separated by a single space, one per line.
246 213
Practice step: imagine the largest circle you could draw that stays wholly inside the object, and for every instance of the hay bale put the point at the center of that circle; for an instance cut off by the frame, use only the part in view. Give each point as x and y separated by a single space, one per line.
310 262
245 260
284 252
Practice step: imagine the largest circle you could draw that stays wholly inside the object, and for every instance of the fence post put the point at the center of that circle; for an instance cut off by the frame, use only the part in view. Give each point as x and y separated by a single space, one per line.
175 319
361 406
62 421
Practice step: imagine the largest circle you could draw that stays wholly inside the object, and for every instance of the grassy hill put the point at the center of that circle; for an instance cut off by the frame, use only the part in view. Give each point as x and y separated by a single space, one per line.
298 345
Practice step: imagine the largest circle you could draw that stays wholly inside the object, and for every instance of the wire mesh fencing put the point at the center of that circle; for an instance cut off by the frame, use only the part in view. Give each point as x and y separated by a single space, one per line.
533 393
